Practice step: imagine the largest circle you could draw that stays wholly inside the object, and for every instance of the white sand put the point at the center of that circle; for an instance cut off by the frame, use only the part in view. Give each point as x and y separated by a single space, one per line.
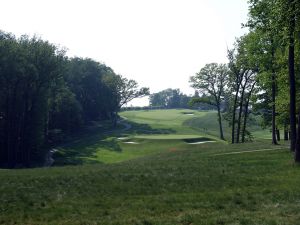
201 142
122 138
131 142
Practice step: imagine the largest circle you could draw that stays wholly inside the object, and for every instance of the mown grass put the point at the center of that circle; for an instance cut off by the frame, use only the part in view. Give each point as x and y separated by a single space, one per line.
161 180
198 185
184 121
147 129
153 125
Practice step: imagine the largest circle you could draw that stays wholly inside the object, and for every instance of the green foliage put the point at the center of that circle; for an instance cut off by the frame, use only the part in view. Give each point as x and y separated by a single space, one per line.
212 81
169 98
29 69
65 111
44 96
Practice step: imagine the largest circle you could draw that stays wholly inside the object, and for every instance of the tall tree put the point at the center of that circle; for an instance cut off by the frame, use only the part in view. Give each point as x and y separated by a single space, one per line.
236 78
29 68
212 80
291 66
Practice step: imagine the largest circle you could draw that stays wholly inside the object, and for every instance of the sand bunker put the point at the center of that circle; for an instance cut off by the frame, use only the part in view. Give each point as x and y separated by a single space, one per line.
200 142
122 138
131 142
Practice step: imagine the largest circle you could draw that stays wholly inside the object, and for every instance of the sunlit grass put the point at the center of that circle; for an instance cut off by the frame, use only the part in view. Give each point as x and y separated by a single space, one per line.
178 186
148 129
155 176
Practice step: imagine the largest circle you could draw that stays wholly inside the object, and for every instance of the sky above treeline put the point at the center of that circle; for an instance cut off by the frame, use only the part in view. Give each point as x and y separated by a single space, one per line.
158 43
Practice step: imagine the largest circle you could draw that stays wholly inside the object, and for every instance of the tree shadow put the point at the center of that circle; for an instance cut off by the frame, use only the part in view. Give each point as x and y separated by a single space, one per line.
83 147
140 128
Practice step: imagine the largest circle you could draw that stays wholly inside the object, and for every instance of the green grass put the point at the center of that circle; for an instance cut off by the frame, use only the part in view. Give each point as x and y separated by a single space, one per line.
148 127
172 119
190 186
160 180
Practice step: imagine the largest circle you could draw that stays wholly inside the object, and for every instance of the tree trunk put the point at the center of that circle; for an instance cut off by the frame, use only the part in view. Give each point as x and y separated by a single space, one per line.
286 133
240 112
297 147
245 122
292 77
246 113
220 122
278 134
274 141
233 111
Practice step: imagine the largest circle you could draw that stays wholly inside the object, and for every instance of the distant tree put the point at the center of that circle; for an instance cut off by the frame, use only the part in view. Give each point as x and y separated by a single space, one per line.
158 100
212 80
170 98
174 101
128 89
124 90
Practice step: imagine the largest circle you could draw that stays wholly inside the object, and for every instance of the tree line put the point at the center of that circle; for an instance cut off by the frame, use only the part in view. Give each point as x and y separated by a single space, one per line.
174 98
45 94
262 74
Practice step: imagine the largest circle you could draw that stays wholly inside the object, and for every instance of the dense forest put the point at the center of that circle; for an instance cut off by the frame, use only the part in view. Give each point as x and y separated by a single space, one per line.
262 75
44 94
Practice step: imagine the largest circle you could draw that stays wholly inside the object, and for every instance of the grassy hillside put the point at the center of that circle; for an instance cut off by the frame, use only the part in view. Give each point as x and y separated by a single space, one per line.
190 121
149 132
201 185
160 171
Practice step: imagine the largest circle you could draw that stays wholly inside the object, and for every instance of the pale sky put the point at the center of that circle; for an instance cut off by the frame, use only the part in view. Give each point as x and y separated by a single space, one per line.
158 43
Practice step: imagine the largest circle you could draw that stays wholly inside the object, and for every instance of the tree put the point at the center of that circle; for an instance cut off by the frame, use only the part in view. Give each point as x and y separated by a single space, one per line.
124 90
65 113
128 90
86 79
212 80
278 23
170 98
291 66
262 19
243 71
29 69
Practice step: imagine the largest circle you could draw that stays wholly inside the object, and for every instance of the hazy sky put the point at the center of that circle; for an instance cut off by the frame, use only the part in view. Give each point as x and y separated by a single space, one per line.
159 43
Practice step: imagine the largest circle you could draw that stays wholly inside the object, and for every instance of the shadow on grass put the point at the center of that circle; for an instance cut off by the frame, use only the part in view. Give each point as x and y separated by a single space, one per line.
139 128
194 140
83 151
83 148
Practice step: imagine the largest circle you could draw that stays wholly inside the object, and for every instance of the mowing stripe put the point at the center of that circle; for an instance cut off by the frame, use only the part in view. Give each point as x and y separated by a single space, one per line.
259 150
